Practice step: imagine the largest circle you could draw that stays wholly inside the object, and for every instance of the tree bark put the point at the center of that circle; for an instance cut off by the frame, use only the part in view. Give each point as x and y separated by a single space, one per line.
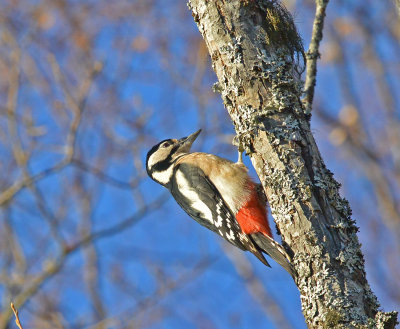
256 53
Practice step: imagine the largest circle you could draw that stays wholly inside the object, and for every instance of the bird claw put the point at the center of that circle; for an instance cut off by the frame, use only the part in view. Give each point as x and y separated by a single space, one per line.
240 157
236 142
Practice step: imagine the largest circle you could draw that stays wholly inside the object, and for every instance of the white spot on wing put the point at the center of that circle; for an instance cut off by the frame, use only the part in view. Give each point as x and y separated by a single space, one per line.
230 236
219 221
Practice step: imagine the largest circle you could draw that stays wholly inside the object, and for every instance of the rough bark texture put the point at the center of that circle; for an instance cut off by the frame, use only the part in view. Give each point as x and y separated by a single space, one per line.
254 48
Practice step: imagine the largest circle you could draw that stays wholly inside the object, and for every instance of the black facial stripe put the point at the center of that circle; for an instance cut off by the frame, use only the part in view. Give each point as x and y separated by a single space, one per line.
162 165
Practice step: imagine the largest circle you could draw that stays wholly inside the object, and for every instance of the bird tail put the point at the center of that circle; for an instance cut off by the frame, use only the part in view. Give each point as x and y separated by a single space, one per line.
275 251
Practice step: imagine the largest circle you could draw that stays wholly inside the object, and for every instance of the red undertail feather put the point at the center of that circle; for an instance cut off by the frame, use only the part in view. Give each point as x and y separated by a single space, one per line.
252 217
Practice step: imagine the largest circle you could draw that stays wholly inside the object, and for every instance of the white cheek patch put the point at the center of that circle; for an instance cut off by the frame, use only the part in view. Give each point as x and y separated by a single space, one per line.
150 162
163 177
189 193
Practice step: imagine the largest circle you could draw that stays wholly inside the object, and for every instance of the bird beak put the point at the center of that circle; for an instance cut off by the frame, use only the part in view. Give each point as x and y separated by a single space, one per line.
186 142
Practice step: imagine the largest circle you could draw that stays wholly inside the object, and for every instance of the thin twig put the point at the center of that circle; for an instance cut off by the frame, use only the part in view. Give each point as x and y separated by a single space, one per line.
256 288
313 54
54 266
77 107
77 104
7 195
104 176
16 316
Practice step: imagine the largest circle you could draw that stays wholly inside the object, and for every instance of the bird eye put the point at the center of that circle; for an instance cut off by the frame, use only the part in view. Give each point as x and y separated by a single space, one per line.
165 144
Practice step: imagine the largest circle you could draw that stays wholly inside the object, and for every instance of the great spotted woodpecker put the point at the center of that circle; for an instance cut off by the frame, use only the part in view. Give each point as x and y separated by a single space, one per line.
218 194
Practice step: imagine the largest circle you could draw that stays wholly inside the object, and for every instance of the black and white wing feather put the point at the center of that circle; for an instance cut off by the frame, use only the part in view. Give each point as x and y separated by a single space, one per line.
201 200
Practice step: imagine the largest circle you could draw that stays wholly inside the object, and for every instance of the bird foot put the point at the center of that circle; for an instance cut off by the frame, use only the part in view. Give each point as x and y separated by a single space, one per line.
240 157
236 142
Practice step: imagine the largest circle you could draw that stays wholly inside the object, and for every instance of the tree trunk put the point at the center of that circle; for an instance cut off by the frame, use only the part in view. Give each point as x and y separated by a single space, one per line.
256 53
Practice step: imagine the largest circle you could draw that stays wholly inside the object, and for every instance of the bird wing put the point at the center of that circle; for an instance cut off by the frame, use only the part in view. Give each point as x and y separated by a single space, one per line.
201 200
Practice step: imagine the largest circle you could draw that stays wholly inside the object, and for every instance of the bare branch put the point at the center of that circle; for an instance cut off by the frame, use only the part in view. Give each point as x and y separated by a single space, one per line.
131 318
77 105
16 316
313 54
256 288
10 192
54 266
104 176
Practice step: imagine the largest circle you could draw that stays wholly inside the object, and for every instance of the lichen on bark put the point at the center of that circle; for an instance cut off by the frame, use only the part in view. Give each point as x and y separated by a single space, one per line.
257 55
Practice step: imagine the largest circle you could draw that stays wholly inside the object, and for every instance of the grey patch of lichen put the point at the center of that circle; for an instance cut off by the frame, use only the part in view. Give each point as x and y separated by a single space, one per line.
349 257
276 70
386 320
314 284
317 276
288 130
196 17
246 125
216 87
290 177
331 186
382 320
315 299
233 50
247 119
